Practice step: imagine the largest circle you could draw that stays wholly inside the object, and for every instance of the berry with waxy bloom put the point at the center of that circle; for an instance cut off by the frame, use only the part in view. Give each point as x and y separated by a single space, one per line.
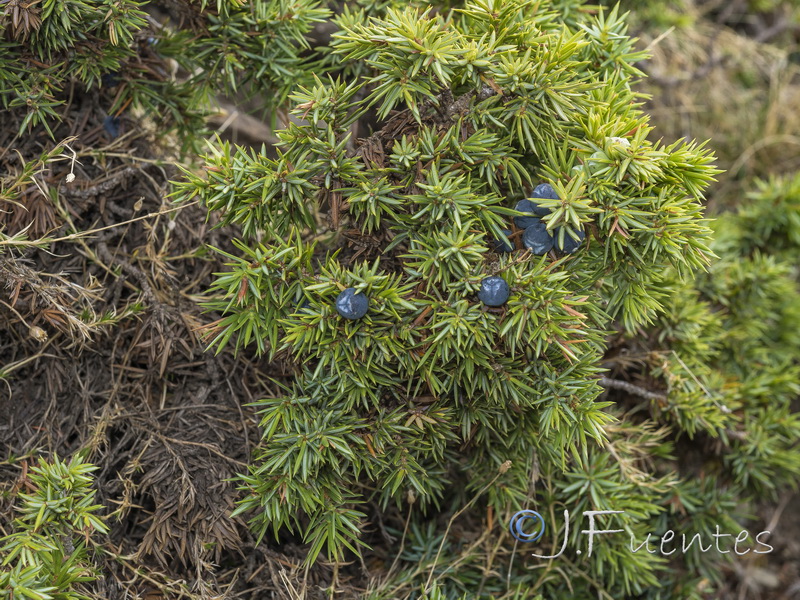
546 191
531 210
111 125
352 304
503 246
494 291
537 239
570 245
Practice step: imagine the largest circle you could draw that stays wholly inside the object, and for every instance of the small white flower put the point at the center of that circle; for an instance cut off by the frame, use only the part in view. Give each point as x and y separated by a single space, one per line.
621 141
70 177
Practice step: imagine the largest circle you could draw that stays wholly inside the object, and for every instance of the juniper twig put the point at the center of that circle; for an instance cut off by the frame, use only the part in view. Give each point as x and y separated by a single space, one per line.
625 386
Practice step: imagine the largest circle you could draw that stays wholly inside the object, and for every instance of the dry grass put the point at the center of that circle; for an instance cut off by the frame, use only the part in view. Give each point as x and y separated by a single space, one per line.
711 82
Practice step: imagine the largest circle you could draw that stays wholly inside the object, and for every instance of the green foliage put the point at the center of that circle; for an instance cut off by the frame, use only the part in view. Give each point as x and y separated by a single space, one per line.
413 130
432 398
768 220
46 557
433 401
727 352
232 46
731 357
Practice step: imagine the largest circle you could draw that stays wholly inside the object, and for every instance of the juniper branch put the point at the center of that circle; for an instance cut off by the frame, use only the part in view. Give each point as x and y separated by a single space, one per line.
625 386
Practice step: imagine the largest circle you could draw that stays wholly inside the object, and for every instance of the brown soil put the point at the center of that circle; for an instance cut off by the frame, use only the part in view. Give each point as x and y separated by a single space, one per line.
166 422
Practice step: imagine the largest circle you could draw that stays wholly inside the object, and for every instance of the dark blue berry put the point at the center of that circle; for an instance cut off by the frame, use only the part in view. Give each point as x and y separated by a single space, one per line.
502 246
544 190
530 209
110 79
571 245
537 239
302 307
111 125
352 304
494 291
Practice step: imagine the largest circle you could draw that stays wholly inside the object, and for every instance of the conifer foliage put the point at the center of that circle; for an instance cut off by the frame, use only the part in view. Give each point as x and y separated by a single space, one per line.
47 556
55 49
479 278
397 177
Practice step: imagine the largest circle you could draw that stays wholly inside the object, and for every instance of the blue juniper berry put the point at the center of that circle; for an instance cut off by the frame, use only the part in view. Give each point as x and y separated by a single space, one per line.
531 207
302 306
494 291
546 191
531 210
352 304
502 246
111 125
110 79
537 239
569 246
